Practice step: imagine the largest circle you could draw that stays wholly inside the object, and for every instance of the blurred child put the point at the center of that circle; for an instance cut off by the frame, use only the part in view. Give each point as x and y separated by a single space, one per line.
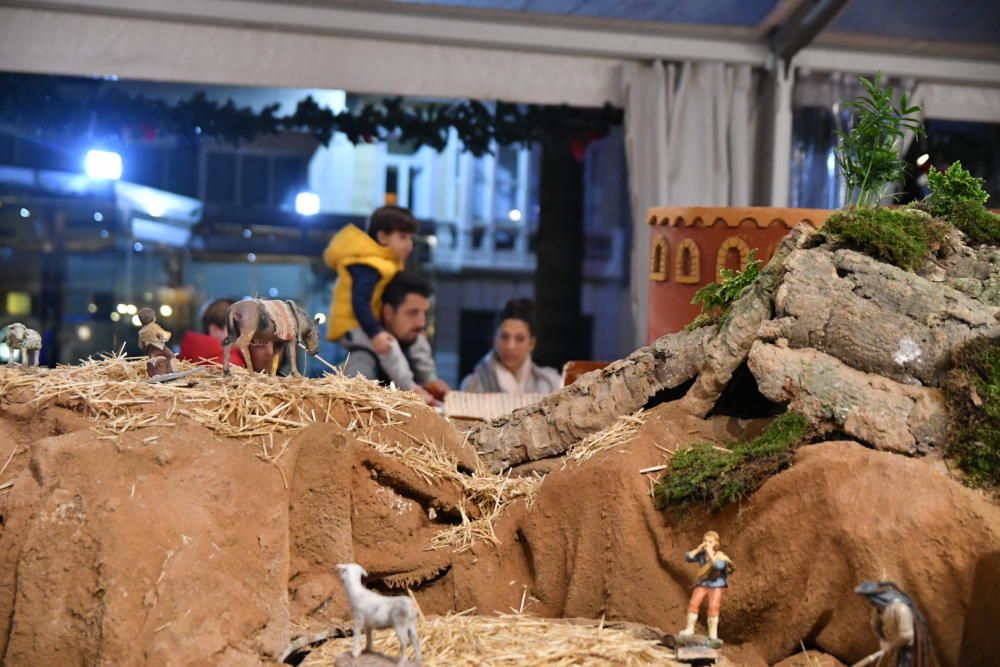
365 263
205 348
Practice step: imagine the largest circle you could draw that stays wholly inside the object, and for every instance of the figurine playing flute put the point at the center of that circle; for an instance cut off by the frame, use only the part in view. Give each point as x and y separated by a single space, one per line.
715 568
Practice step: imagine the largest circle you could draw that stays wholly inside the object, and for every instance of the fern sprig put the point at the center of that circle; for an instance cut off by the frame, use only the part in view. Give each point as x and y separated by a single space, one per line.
867 155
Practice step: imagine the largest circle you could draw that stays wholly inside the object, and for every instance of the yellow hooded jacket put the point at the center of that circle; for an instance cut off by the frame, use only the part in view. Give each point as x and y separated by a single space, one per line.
348 247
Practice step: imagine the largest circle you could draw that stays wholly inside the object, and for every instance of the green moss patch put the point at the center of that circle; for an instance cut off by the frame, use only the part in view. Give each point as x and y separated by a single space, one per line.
979 225
898 236
973 393
717 476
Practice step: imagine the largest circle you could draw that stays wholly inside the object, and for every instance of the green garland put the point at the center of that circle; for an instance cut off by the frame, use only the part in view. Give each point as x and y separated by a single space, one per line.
99 108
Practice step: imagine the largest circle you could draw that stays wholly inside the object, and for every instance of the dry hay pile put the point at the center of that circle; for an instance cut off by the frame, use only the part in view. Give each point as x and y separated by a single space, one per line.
246 405
115 392
508 640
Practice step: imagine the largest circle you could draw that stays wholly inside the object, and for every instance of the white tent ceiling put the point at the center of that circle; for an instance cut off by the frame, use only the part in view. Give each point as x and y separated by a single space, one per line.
407 48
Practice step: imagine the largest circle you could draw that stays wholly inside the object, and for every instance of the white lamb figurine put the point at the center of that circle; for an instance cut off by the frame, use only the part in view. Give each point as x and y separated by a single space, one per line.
29 341
372 611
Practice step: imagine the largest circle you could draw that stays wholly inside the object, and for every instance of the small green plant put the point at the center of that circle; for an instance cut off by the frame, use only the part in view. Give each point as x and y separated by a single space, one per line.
898 236
954 184
959 197
868 154
973 393
717 476
715 299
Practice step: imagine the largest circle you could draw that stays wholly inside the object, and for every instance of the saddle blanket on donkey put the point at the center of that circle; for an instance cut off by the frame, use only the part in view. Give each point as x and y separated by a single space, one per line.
284 320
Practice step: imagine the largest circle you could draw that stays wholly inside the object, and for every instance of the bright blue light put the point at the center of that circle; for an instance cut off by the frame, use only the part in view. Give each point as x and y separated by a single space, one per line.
307 203
25 213
137 246
103 165
98 216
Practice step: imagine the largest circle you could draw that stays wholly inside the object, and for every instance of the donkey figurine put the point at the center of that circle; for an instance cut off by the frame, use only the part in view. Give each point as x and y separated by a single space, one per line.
282 323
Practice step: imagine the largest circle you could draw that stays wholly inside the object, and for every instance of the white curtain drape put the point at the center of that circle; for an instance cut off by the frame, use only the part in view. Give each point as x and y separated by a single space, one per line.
689 140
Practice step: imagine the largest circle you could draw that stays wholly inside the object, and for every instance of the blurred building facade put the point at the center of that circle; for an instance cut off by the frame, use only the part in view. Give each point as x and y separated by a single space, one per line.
192 221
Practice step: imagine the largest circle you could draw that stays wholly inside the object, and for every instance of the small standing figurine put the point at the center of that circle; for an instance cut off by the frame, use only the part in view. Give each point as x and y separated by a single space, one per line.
898 624
153 341
29 341
715 568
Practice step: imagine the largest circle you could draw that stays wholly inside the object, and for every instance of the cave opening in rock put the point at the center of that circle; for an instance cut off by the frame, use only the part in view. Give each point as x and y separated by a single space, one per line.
667 395
743 399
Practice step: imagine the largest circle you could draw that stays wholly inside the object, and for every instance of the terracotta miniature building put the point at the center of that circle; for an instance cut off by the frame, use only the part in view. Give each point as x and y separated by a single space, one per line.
689 247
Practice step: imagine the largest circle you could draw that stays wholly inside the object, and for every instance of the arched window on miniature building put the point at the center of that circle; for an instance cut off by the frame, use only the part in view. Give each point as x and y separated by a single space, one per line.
687 267
730 244
659 258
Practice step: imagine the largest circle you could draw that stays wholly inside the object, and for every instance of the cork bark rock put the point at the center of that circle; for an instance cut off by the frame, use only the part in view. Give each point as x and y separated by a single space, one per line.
883 337
729 348
590 404
974 271
875 317
888 415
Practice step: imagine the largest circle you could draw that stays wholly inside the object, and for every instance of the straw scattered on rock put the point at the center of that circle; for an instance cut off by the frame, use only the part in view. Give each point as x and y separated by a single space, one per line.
513 639
621 431
492 494
114 391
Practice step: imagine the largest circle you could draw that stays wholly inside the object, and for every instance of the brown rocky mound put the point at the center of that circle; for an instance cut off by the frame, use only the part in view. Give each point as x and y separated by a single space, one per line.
172 545
593 545
810 659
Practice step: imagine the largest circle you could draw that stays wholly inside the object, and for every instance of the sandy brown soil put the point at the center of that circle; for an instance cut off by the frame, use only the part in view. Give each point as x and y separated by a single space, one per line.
170 545
593 545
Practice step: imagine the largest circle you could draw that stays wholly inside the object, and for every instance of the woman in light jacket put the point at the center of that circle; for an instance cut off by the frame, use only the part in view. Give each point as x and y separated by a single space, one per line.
508 367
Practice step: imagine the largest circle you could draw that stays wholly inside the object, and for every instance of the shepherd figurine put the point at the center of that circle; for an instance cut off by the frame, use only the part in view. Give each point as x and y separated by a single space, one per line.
715 568
282 323
153 341
898 624
29 341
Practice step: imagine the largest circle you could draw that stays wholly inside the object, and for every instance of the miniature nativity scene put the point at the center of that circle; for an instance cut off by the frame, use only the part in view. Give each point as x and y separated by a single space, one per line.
824 429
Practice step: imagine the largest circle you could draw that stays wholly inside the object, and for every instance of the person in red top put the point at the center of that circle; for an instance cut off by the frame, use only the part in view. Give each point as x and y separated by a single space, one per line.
206 347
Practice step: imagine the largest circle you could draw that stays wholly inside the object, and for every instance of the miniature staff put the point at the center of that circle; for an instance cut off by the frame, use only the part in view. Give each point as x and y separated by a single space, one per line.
898 624
153 341
715 568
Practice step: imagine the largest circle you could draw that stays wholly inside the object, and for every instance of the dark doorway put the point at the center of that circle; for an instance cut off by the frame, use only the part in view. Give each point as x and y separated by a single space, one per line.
475 338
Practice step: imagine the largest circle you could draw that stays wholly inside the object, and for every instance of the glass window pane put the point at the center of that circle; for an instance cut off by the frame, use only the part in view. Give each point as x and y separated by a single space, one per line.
182 171
221 178
253 175
290 178
505 183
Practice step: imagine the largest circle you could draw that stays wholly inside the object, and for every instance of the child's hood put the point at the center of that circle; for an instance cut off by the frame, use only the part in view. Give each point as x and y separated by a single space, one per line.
351 244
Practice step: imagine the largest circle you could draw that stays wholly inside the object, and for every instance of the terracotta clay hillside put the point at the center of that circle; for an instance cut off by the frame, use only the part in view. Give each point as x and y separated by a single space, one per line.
201 523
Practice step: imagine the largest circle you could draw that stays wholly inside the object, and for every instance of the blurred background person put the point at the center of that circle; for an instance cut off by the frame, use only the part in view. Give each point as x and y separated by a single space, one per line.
508 367
206 347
